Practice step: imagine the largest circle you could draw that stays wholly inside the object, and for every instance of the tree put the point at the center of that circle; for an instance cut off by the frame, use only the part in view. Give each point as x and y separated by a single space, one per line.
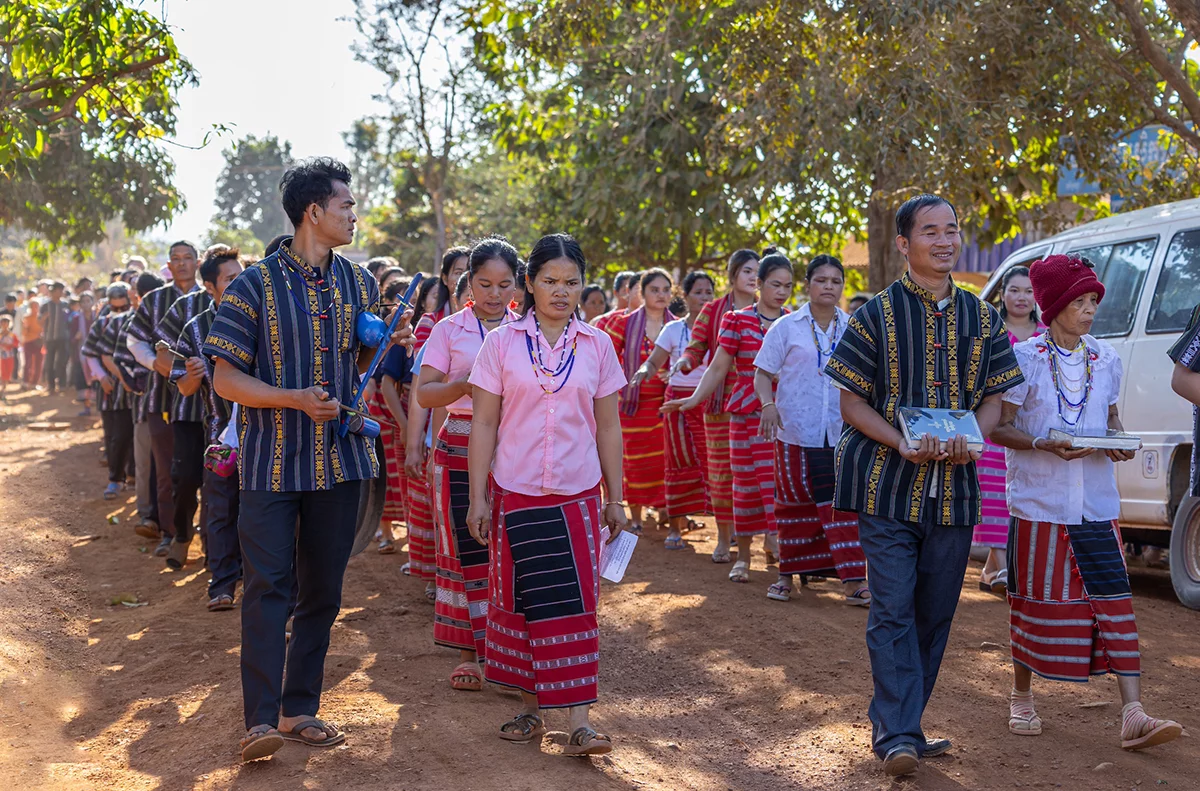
411 43
626 118
248 187
370 161
86 88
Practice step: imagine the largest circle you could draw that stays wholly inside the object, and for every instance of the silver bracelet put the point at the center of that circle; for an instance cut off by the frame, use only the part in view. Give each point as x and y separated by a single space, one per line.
1035 441
614 502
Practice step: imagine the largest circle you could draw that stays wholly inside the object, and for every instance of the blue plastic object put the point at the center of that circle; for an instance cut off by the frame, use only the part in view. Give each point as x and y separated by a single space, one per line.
371 330
345 424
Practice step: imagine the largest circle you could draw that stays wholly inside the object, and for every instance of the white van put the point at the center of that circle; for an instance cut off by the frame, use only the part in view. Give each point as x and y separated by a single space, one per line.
1149 262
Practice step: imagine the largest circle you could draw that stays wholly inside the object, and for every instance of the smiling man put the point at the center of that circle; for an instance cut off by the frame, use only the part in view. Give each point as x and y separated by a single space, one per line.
922 342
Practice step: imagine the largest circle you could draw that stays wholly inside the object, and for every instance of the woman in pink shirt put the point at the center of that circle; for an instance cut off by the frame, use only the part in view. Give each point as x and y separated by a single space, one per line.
462 564
545 430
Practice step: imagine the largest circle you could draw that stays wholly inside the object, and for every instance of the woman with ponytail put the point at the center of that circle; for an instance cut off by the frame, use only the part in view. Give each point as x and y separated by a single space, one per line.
449 355
545 431
742 276
750 455
633 335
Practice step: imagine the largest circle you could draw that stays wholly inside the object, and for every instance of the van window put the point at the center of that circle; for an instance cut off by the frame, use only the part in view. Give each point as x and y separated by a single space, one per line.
1178 288
1122 269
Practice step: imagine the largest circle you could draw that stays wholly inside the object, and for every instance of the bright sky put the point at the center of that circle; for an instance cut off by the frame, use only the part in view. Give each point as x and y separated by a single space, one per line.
255 59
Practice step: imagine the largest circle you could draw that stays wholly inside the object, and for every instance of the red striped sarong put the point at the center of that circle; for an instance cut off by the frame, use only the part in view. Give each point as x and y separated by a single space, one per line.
687 459
543 636
992 530
1070 605
813 537
393 439
643 446
751 458
720 476
421 554
460 611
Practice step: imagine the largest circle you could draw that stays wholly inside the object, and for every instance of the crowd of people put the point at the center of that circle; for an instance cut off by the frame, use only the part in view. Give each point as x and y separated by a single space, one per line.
520 418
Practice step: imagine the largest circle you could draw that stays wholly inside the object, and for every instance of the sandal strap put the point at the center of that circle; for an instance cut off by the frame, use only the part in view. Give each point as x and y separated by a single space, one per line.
581 736
524 722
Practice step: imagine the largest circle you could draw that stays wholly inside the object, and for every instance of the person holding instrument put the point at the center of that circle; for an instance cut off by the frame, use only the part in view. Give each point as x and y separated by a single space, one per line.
284 347
460 611
545 430
1068 589
922 342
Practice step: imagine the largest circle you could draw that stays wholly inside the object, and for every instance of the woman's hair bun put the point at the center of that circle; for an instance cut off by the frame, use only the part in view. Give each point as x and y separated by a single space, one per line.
772 250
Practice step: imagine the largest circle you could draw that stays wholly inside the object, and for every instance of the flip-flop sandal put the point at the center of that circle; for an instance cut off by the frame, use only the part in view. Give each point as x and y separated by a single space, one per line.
674 542
466 677
585 741
406 569
431 595
779 592
259 742
721 557
387 547
330 740
691 525
1165 731
635 528
860 597
525 728
740 572
220 603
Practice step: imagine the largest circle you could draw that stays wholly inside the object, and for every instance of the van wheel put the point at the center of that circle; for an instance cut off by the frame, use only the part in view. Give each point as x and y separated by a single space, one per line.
1185 553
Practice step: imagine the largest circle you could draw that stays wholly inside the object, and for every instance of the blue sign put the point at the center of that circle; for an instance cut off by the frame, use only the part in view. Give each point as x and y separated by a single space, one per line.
1148 145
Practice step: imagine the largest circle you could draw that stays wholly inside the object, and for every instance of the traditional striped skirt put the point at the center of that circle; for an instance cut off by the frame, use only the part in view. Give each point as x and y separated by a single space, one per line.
813 538
421 554
992 530
1071 608
720 476
687 459
751 458
394 441
460 612
543 636
643 448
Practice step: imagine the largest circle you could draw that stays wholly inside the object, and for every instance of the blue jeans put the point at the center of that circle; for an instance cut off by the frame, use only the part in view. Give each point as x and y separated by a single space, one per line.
312 533
224 551
916 575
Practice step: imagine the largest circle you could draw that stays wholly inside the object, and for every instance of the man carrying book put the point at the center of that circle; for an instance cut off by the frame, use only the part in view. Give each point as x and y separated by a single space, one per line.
922 342
1068 590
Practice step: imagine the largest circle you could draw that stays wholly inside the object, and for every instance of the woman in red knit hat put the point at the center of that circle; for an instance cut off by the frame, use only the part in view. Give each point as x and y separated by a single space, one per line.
1069 595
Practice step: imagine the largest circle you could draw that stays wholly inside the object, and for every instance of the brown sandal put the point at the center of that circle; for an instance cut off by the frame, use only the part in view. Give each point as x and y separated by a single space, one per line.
260 742
585 741
526 727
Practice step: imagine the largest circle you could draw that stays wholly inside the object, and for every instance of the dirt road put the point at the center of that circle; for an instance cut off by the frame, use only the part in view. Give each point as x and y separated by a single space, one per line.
704 684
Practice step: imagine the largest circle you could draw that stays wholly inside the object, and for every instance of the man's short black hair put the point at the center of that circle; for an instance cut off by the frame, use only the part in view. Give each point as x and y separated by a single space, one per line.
309 182
184 243
147 282
117 291
906 215
10 297
624 278
214 259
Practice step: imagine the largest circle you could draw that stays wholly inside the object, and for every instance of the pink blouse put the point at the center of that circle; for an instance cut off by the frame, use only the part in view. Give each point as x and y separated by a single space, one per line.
452 347
546 442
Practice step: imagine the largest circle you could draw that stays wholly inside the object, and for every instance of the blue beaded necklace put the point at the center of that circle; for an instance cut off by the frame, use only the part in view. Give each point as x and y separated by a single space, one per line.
566 364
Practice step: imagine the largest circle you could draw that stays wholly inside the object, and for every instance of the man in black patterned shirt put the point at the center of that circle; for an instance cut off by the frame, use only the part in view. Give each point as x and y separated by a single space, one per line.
1186 382
193 375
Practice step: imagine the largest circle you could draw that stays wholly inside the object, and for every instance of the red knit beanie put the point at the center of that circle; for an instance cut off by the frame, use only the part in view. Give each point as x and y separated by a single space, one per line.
1059 280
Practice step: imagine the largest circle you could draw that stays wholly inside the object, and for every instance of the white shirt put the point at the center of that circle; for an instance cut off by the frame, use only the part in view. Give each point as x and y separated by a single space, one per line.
673 339
1041 486
807 400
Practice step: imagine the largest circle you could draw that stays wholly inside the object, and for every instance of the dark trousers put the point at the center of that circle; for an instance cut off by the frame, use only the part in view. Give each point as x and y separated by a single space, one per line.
162 448
187 473
916 576
57 353
118 439
318 547
224 551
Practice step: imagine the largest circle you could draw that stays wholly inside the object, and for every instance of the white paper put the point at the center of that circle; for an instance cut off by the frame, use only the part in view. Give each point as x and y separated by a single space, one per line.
614 557
230 436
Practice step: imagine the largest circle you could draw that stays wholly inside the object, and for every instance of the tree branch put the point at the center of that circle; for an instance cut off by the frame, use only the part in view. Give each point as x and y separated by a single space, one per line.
1159 59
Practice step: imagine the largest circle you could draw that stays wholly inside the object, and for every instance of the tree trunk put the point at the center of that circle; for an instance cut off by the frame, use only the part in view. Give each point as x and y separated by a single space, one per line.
885 264
684 257
1188 14
438 202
